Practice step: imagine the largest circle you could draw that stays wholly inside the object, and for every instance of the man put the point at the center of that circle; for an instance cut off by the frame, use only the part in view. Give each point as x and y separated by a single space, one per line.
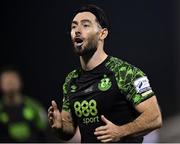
107 98
21 118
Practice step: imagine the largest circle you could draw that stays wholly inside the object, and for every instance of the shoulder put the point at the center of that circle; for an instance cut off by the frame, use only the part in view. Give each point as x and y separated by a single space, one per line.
125 73
122 67
30 102
70 76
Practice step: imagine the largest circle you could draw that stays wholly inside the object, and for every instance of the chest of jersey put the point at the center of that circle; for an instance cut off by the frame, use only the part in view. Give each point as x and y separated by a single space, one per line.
106 90
91 96
17 124
96 94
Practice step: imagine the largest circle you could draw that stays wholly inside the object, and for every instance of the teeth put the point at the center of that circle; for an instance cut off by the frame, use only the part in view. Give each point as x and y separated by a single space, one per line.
78 41
79 44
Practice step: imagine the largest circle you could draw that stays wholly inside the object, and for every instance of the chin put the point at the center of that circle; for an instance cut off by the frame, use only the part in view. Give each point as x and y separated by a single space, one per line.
79 51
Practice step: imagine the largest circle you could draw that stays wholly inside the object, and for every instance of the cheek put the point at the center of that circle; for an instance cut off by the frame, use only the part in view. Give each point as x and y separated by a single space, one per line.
72 34
93 36
87 34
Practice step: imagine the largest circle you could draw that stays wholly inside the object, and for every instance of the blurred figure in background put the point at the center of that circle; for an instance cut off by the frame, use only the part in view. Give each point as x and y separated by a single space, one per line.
22 119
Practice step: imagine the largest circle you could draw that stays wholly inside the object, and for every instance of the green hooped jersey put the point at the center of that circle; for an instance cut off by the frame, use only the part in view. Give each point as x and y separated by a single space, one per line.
112 89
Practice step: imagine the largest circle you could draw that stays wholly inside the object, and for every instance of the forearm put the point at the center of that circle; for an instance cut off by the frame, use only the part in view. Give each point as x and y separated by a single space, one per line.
144 124
67 130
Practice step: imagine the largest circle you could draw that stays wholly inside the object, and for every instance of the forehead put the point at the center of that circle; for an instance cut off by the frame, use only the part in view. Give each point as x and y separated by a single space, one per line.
10 75
85 15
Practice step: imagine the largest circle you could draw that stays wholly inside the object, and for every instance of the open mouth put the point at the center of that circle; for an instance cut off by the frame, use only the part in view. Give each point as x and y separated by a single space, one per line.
78 41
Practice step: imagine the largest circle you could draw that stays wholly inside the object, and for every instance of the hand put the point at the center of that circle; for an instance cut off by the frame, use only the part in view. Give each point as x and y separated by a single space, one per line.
54 116
107 133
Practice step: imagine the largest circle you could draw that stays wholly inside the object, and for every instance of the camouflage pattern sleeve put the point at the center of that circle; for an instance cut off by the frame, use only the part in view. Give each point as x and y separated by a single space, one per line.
66 103
135 85
131 81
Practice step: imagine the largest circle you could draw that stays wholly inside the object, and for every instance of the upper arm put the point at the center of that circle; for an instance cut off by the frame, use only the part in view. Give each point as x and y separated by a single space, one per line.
150 110
149 104
66 90
131 81
66 109
69 125
134 84
66 113
67 118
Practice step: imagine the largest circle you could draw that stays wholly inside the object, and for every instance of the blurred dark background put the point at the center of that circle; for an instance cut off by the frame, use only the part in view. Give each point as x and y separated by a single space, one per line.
35 38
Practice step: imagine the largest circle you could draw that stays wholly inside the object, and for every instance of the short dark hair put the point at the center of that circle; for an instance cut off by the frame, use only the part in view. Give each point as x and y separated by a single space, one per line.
98 12
9 69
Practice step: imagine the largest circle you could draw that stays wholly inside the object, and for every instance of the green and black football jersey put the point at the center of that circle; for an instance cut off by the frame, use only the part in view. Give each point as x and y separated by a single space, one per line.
22 123
112 89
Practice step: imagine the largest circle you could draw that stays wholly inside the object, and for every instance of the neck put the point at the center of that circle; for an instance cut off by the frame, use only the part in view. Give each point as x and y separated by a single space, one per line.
90 62
12 99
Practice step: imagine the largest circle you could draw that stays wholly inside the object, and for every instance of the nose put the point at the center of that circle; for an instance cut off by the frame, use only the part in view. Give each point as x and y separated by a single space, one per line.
78 31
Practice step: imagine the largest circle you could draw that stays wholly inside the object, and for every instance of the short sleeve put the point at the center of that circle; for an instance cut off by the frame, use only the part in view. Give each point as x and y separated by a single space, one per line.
134 84
66 103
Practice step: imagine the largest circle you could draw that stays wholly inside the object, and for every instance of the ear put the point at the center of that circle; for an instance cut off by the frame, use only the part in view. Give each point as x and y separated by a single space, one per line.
103 33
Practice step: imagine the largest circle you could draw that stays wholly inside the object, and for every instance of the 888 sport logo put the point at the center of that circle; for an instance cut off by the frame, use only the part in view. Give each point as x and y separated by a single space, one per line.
87 110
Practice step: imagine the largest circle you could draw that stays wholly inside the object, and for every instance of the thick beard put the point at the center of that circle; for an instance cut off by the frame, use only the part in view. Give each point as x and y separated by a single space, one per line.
89 49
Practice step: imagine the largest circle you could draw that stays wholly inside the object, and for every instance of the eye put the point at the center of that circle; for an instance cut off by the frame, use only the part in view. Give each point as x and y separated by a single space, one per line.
86 25
73 27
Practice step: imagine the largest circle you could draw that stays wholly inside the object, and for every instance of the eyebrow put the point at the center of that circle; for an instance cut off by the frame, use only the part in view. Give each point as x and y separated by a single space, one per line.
82 21
74 22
